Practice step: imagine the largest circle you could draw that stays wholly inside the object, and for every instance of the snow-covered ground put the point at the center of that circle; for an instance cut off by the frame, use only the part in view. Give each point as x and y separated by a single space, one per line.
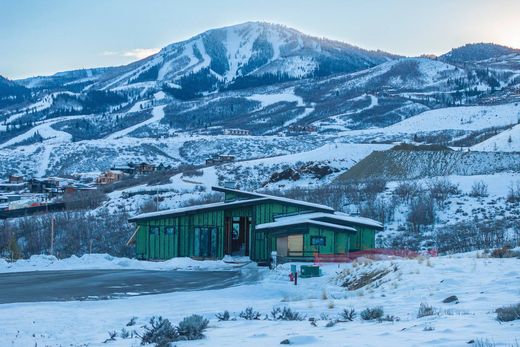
106 261
506 141
481 284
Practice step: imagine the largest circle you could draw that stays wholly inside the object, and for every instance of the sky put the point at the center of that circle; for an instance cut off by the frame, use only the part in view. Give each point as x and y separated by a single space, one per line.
44 37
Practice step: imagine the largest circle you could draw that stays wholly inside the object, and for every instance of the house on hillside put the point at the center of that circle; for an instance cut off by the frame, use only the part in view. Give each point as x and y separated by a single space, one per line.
43 185
12 187
143 168
251 224
127 169
15 179
220 159
109 177
241 132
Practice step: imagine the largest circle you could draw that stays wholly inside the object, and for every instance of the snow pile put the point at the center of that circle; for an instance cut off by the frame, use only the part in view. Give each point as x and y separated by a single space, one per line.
108 262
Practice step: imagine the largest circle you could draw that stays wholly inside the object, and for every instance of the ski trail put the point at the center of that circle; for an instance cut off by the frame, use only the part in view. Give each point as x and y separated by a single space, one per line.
157 115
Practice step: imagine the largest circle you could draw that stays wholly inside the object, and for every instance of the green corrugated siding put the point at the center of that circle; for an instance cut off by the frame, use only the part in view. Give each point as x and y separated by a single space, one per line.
181 243
329 247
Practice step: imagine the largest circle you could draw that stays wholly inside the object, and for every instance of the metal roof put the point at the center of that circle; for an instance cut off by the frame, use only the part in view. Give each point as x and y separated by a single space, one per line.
194 209
336 217
299 222
275 198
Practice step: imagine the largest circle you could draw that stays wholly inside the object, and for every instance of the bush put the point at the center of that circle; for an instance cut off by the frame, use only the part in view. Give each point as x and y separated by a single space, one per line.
249 314
192 327
224 316
131 322
422 212
425 310
285 314
513 195
389 318
441 189
504 252
473 235
372 313
348 315
508 313
161 332
407 191
479 189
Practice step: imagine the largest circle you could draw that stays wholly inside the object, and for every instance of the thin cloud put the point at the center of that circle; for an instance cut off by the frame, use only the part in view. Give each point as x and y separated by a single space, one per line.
141 53
137 53
109 53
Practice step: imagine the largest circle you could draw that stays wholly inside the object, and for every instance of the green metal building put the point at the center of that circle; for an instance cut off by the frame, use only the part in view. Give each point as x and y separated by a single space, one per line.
251 224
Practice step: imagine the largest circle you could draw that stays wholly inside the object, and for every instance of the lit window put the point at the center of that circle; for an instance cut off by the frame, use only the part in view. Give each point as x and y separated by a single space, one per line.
318 241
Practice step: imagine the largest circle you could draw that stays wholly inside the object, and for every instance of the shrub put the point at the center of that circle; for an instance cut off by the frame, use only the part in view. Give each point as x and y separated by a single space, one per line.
224 316
330 324
508 313
372 313
125 334
348 315
472 235
425 310
441 189
192 327
406 191
389 318
249 314
479 189
513 195
131 322
112 336
286 314
161 332
422 212
504 252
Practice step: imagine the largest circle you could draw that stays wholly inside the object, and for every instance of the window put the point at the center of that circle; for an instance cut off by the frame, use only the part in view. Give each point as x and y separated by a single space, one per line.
154 230
205 242
318 240
169 230
235 232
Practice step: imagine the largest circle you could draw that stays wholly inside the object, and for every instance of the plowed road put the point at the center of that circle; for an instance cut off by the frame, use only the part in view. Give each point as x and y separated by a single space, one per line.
106 284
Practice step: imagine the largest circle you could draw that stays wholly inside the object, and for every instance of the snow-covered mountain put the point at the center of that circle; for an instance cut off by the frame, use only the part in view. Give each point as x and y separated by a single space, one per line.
12 93
175 106
473 52
235 57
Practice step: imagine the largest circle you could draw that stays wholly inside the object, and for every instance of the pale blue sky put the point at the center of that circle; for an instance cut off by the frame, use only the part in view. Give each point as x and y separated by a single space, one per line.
40 37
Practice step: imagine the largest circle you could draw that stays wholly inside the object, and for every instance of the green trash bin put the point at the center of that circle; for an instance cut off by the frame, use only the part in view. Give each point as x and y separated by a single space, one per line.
307 271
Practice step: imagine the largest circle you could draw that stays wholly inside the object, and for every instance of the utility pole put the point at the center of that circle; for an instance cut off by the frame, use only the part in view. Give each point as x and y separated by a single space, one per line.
53 220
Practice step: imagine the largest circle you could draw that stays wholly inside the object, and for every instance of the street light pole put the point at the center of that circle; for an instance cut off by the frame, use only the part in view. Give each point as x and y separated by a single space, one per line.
52 235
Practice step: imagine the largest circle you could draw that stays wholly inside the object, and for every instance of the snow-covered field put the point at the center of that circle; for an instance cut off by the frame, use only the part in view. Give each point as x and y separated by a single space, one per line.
481 284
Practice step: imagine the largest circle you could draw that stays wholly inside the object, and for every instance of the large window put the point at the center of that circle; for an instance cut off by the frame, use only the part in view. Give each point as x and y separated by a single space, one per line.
154 231
169 231
205 242
318 240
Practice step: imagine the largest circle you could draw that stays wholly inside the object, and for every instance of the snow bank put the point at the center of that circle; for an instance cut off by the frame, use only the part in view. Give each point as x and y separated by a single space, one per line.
108 262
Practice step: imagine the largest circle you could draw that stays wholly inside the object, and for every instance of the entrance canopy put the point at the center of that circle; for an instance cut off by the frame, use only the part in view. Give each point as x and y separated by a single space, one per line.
291 226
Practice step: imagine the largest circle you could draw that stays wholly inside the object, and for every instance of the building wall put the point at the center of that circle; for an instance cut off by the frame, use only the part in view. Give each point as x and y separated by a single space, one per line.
150 245
153 241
